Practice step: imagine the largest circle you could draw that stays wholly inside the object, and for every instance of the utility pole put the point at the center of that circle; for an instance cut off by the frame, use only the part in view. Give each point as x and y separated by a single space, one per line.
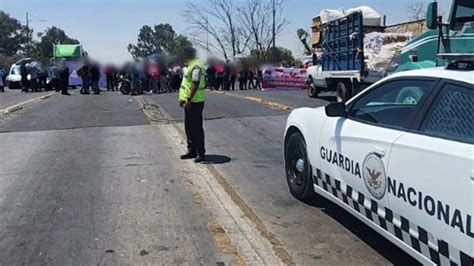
273 30
27 47
207 38
28 20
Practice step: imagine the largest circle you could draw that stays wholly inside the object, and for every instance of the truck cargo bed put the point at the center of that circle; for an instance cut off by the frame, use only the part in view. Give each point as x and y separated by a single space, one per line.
343 44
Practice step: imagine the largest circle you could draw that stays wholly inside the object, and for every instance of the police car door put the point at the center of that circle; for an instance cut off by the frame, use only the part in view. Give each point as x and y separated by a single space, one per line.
431 178
356 149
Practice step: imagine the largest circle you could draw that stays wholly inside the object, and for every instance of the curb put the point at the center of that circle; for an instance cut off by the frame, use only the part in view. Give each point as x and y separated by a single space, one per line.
249 214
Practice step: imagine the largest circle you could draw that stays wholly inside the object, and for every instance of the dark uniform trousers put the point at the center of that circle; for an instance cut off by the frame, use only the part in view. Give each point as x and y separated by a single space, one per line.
193 125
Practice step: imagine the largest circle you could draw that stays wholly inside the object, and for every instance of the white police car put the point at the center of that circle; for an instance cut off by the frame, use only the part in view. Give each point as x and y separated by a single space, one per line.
399 156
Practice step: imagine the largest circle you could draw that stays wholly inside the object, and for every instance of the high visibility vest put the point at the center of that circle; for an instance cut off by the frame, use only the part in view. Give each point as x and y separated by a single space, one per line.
187 83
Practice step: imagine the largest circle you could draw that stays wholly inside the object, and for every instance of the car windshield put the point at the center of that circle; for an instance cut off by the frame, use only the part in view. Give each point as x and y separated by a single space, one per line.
15 70
464 12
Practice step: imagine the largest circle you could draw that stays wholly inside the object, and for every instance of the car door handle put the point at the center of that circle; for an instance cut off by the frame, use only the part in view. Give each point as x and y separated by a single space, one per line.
379 151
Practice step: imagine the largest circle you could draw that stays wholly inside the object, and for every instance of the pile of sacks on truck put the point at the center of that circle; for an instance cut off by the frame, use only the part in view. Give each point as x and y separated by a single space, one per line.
382 44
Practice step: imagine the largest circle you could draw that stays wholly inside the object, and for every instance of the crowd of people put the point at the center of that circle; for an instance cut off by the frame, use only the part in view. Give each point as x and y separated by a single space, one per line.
144 76
90 75
148 76
34 77
223 76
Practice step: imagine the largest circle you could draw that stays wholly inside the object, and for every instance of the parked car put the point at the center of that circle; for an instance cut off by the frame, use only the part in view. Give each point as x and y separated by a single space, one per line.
399 157
13 80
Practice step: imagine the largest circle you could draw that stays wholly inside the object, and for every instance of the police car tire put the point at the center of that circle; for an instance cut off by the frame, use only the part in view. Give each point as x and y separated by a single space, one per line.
299 183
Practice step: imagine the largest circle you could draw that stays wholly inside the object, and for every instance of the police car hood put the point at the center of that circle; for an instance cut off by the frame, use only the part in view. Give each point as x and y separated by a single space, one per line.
302 117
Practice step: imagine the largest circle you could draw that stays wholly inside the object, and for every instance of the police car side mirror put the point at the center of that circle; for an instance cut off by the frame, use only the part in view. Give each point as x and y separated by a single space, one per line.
336 110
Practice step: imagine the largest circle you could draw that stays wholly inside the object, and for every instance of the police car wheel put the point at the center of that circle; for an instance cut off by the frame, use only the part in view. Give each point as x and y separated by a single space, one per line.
298 173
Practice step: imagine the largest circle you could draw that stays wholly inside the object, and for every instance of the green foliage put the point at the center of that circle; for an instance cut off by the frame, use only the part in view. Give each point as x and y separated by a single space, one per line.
278 56
283 56
43 50
11 35
303 36
301 33
6 61
14 40
159 39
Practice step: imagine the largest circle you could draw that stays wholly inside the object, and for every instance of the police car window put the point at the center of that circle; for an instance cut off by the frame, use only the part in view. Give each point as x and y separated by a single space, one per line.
451 116
391 104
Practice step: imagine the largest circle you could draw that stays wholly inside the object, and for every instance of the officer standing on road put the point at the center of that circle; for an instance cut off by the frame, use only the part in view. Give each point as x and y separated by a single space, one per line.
191 98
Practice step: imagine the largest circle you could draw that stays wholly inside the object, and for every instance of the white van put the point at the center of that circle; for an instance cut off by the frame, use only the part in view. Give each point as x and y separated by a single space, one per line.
13 80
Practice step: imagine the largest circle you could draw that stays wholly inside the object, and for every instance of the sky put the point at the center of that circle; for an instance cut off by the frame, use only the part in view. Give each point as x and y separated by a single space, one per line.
106 27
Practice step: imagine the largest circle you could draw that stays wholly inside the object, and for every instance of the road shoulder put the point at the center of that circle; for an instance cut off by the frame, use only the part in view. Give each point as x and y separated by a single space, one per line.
255 244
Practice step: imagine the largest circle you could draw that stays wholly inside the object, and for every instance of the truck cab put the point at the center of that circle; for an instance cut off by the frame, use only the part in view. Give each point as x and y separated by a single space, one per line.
455 36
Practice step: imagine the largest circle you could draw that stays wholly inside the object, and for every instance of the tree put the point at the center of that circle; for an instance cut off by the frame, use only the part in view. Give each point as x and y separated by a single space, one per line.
280 56
230 28
43 50
416 11
11 35
160 39
303 35
217 19
7 61
256 18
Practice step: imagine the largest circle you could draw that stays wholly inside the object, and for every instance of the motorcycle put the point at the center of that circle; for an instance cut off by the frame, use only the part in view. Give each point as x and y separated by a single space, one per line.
124 84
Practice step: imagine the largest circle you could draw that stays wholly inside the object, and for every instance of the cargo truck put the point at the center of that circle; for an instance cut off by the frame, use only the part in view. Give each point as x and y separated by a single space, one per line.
73 55
343 65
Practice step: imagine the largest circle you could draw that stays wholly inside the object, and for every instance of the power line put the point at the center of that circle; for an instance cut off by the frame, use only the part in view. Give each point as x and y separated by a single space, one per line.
28 20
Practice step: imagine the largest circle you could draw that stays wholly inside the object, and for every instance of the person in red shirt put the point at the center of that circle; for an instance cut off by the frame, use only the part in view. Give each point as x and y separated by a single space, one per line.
155 76
219 76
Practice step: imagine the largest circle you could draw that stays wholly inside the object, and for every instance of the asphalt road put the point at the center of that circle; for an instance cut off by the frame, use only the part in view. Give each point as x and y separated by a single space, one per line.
12 97
88 180
251 134
83 181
